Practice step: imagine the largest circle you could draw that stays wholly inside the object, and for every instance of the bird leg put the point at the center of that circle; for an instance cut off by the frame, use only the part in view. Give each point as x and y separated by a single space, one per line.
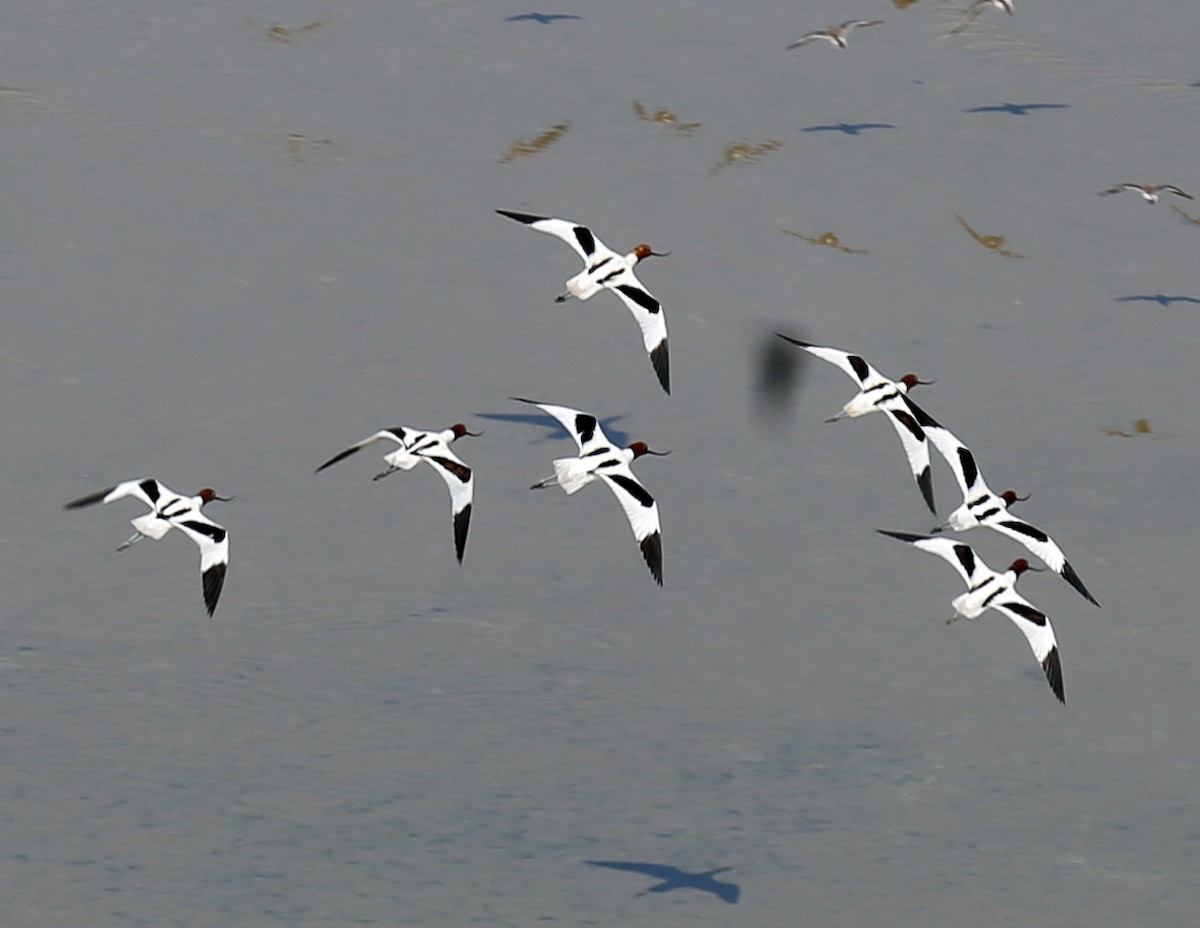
563 297
137 536
387 473
548 482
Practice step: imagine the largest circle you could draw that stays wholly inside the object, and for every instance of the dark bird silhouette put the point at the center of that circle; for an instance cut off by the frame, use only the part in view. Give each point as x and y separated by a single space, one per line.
674 878
1017 109
849 128
1160 298
544 18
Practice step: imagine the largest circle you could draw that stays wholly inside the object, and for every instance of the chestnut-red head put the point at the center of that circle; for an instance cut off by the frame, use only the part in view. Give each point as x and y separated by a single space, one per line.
912 380
644 251
208 494
1010 497
460 430
639 448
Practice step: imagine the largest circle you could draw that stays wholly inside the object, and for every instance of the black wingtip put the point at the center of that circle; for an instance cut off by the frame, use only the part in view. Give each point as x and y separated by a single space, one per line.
925 482
652 552
526 218
1053 668
661 360
1068 574
214 580
341 455
462 522
794 341
902 536
90 500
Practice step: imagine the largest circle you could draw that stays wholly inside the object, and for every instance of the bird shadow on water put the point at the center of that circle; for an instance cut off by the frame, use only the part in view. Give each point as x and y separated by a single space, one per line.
849 128
1161 299
673 878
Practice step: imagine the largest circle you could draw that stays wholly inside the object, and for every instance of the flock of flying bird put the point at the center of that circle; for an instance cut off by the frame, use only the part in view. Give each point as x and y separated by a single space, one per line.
599 459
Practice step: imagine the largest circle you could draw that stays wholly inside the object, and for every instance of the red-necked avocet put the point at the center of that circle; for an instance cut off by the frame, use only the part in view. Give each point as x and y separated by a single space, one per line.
978 7
835 35
981 506
878 394
600 459
1149 192
170 510
434 449
604 269
987 589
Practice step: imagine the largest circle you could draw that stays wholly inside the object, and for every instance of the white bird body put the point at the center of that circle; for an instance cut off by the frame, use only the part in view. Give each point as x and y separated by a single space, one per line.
605 269
979 7
982 506
434 449
879 394
169 510
987 589
600 460
834 35
1149 192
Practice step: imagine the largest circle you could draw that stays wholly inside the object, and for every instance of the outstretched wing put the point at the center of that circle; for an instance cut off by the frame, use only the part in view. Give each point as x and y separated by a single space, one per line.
958 456
649 315
213 541
854 365
1043 546
149 491
642 512
805 39
461 481
961 557
583 426
580 238
396 434
1039 633
916 448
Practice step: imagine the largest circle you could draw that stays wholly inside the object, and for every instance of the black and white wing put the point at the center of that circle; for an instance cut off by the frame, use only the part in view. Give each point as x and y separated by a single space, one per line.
399 434
854 365
649 315
460 479
641 510
583 426
213 542
1039 633
1043 546
154 494
580 238
972 570
916 448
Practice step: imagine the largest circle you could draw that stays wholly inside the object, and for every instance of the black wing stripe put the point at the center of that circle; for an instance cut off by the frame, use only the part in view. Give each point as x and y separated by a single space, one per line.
586 240
634 489
461 471
1026 612
1053 668
585 427
966 557
861 368
215 532
1024 528
641 297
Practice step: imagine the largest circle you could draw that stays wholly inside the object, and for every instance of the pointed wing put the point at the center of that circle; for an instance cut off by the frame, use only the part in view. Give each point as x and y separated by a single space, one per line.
213 542
1039 633
658 871
580 238
460 479
396 434
805 39
856 23
961 557
642 512
973 12
958 456
649 315
916 448
1041 545
854 365
149 491
583 426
